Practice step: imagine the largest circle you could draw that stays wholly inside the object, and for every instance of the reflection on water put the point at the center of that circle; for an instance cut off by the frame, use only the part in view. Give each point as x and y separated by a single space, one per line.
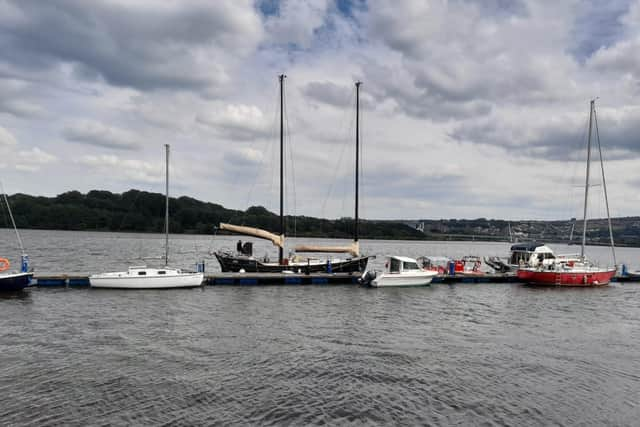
446 355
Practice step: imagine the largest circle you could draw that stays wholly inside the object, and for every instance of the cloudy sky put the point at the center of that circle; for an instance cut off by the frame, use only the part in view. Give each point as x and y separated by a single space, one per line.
469 108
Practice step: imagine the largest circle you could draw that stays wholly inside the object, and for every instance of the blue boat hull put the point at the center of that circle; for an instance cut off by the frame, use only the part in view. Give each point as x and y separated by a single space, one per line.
15 282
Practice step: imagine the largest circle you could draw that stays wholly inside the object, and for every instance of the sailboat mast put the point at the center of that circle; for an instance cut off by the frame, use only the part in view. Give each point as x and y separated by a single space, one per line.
586 186
281 249
166 208
355 233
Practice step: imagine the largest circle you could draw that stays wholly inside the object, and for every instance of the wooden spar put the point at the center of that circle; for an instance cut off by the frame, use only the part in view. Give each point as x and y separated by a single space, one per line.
355 231
166 209
281 250
353 249
255 232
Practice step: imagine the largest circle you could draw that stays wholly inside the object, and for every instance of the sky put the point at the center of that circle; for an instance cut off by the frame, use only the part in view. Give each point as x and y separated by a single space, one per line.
469 108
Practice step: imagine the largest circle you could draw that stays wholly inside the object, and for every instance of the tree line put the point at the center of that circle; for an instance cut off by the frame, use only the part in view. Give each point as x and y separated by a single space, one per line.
141 211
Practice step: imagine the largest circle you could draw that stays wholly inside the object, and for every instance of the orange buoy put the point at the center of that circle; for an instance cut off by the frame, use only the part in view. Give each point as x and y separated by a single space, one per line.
4 264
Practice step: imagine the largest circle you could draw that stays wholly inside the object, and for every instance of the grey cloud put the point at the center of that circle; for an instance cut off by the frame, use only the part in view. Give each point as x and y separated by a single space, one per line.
134 46
409 26
328 93
22 109
597 25
15 97
560 140
414 97
95 133
458 59
396 183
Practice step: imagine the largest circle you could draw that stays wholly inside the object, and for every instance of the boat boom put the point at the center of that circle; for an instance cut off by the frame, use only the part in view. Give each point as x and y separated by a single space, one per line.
353 249
256 232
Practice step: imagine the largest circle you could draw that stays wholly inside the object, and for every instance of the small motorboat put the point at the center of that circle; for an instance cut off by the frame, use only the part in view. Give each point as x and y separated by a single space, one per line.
466 266
399 271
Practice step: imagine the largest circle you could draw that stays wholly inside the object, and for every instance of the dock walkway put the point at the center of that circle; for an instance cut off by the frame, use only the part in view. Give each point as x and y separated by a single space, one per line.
273 279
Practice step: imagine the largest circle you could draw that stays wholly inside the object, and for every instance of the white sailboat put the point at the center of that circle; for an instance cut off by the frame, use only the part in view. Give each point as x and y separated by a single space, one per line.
143 277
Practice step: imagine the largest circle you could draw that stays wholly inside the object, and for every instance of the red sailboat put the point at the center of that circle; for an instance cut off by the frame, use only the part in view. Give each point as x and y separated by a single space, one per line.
578 271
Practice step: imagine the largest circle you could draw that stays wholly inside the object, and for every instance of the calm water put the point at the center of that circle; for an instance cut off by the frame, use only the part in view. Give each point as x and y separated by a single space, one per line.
489 354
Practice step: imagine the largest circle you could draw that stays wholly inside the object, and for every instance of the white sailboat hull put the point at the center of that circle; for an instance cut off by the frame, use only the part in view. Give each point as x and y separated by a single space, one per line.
132 279
413 278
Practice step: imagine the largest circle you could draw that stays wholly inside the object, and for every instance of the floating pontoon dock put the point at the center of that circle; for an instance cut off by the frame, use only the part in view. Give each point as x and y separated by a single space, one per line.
273 279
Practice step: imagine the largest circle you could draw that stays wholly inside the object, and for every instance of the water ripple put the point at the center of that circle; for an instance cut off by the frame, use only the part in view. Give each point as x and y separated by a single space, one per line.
490 354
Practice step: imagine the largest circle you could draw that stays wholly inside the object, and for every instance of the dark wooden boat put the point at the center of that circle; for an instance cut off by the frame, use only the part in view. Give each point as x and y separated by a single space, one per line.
243 260
234 263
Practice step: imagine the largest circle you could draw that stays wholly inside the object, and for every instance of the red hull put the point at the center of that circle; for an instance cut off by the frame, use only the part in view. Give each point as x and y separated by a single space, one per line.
566 278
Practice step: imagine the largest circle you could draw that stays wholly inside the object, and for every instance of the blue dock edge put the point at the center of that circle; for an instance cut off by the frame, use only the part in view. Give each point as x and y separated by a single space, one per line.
267 279
61 281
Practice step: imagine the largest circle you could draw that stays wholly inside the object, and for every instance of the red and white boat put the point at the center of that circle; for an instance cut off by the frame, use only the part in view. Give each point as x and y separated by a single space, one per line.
581 273
570 271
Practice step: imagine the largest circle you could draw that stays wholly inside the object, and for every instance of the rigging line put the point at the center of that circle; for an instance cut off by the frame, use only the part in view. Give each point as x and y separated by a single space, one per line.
352 180
4 218
259 168
361 166
289 148
342 147
604 186
571 207
274 160
261 163
126 213
6 200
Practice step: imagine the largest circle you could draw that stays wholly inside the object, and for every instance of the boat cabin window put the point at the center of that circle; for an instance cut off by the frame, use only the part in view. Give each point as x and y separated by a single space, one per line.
516 257
142 273
410 266
162 272
394 266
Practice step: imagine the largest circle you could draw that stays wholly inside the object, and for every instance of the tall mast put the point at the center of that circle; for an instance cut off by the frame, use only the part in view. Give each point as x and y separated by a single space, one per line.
355 233
586 186
166 208
281 249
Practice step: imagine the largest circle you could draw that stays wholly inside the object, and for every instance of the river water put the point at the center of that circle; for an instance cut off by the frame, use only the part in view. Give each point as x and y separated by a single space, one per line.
466 354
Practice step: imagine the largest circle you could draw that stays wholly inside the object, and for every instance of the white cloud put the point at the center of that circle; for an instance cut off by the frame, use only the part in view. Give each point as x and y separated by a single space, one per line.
240 121
135 170
32 160
6 138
